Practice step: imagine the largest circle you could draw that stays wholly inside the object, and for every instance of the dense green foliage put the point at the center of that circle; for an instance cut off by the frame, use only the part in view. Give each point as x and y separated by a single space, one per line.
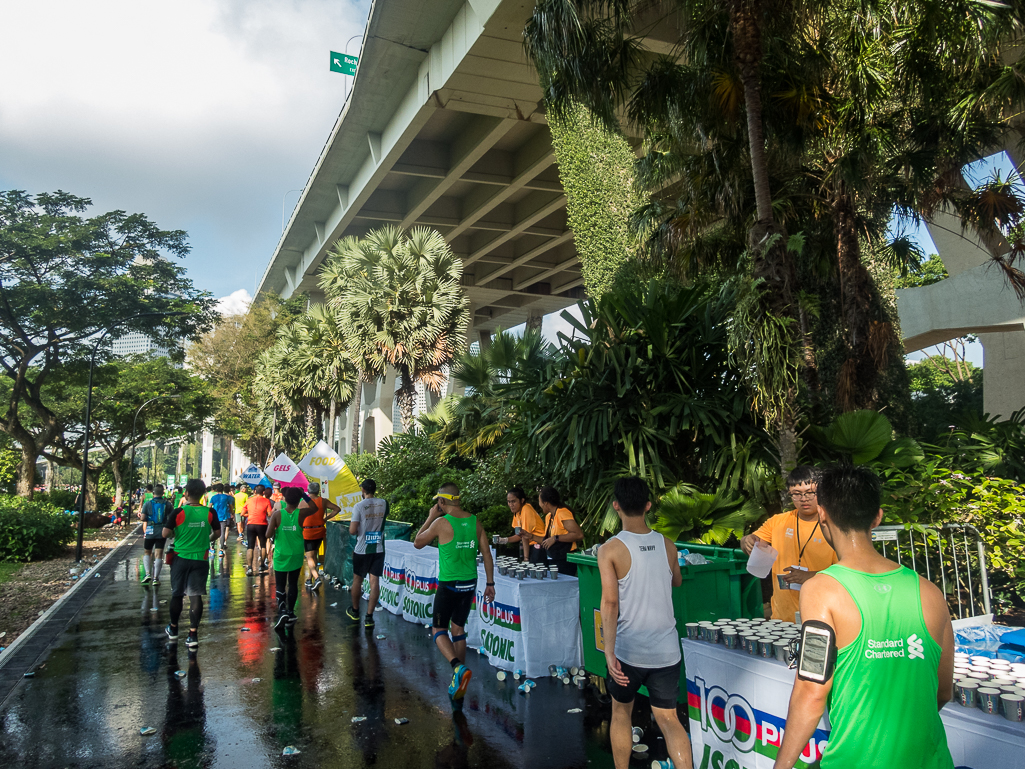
596 167
70 282
31 531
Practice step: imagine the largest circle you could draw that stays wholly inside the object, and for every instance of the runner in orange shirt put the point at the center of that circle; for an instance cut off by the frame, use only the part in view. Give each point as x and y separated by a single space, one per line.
314 531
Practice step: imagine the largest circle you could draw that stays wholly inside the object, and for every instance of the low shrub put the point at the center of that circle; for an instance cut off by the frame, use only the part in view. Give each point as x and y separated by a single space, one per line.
64 499
32 531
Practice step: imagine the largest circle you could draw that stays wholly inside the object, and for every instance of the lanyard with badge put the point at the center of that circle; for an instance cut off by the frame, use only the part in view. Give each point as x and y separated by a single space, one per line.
784 583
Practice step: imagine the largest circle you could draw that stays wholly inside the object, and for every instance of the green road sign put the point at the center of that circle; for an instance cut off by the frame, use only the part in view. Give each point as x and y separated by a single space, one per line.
343 63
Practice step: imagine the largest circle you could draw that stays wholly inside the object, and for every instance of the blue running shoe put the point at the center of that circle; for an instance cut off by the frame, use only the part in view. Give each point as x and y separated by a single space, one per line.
460 680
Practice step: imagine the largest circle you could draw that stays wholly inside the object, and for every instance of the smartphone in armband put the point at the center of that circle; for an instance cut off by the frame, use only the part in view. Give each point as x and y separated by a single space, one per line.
817 655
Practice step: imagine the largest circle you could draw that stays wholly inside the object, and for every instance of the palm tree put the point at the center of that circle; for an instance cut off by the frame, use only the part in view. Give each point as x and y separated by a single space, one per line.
400 304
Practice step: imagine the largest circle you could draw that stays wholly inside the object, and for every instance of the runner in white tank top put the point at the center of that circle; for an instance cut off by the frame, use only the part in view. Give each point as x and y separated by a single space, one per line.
638 573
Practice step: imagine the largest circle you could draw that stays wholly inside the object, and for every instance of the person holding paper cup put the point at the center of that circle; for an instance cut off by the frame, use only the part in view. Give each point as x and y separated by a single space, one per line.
528 527
797 536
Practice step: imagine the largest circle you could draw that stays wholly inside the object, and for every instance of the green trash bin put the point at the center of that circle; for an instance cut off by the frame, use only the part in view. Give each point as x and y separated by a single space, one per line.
720 589
338 546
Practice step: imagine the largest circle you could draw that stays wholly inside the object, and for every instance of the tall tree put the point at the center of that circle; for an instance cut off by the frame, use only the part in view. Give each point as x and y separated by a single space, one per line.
227 358
400 303
65 280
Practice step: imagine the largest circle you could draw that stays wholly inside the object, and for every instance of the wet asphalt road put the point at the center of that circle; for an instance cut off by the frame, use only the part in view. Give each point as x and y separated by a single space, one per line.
240 703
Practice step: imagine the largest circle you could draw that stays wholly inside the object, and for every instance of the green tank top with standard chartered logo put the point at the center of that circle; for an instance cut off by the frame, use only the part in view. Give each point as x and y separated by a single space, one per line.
192 536
882 708
288 542
458 558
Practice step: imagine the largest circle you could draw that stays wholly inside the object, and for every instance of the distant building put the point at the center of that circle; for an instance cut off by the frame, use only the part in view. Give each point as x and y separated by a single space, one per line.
137 343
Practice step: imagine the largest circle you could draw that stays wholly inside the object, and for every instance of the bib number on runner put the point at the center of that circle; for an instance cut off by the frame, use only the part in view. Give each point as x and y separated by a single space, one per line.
373 537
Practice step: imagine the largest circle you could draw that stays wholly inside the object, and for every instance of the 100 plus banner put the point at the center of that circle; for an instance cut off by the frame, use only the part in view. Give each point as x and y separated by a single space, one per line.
420 585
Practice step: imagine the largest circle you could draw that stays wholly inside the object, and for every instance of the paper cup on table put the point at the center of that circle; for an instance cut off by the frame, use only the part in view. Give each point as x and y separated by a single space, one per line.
989 699
977 660
781 650
998 682
765 647
693 630
966 693
1009 689
730 638
750 644
977 676
1013 706
759 563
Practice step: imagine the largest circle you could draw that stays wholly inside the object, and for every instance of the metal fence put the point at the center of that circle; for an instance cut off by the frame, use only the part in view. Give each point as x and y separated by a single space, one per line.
953 557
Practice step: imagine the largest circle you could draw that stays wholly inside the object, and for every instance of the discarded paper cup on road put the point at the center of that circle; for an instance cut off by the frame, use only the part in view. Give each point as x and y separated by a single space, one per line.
500 675
636 733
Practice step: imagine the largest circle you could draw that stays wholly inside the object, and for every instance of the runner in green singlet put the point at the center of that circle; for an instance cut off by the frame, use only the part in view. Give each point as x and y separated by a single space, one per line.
459 536
895 661
286 526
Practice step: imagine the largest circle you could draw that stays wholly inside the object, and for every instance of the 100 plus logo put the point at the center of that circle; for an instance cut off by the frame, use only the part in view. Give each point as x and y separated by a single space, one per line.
738 725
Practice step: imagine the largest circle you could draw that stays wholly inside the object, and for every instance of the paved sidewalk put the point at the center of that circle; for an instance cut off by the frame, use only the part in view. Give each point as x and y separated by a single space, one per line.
239 703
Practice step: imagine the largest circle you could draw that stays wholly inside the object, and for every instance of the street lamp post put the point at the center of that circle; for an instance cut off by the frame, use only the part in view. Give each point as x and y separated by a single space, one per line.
88 418
131 463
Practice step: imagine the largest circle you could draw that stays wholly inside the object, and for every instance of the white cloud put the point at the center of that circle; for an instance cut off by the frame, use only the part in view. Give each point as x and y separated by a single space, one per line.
199 113
236 303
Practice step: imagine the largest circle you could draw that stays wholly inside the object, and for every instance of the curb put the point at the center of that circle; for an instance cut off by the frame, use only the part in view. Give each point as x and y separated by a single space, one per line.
56 605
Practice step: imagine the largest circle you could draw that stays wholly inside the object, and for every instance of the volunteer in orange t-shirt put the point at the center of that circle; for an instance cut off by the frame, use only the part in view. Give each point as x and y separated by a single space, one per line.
561 530
257 509
314 531
797 537
527 524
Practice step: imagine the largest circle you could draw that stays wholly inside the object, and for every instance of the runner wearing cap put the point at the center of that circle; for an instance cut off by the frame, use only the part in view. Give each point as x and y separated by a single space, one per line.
460 536
286 526
153 513
314 531
193 527
886 659
639 570
367 525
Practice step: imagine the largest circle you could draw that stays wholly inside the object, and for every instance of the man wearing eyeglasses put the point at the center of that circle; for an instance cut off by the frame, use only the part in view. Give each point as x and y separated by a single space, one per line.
797 537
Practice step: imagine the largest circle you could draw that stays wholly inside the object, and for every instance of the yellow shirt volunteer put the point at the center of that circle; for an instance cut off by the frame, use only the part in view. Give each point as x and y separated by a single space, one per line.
554 524
799 543
528 520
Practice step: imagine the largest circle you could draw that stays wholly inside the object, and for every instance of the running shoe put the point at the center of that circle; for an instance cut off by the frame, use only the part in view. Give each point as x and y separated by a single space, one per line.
172 635
352 614
220 553
368 621
460 680
193 639
263 569
292 619
249 572
156 580
317 583
146 580
309 585
210 553
280 621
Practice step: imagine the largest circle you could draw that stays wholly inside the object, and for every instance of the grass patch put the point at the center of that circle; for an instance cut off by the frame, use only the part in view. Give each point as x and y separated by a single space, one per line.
8 570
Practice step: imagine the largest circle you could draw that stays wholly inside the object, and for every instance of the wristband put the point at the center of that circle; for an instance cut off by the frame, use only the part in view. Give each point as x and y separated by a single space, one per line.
490 584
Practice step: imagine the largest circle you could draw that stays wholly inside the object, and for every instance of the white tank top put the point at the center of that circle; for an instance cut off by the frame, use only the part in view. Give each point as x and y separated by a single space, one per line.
646 634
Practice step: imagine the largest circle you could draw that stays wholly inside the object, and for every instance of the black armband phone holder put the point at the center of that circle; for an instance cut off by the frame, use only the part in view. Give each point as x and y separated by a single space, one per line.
817 654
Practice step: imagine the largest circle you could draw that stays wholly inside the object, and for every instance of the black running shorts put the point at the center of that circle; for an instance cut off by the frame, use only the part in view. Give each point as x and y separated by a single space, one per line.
368 563
154 543
663 685
314 545
188 576
452 603
254 533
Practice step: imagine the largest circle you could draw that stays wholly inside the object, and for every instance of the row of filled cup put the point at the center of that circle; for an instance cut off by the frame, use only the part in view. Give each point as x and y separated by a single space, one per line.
517 570
1006 700
769 639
